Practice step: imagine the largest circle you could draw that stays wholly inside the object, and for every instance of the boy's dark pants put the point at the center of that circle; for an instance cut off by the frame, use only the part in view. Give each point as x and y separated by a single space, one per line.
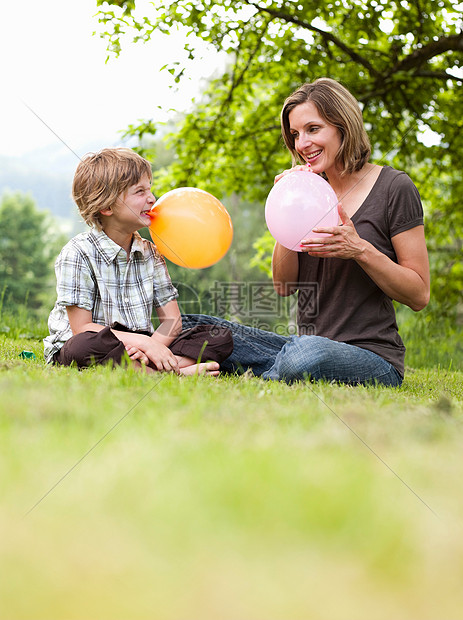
104 347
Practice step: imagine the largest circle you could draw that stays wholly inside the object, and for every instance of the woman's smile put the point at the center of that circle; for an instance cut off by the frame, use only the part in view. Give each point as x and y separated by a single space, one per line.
316 141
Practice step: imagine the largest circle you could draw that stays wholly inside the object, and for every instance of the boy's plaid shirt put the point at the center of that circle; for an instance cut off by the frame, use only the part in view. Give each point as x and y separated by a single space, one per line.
93 273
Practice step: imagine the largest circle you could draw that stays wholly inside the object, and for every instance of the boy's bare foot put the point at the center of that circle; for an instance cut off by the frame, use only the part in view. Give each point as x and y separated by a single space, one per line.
205 368
142 367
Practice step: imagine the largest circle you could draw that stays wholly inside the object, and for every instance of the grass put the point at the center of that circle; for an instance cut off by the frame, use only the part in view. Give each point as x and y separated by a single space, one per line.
125 496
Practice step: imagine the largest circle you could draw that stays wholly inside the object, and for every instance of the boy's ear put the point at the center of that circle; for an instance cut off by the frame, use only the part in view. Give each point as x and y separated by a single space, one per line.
107 211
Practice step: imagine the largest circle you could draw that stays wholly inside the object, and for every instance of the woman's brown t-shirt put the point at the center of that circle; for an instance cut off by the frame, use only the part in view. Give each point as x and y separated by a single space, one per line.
337 299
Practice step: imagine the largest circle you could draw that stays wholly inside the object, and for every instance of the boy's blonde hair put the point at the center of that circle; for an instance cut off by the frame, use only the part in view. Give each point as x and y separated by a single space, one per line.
101 177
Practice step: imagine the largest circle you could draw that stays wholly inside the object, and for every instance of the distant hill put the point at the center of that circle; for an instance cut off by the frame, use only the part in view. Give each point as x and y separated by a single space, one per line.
48 181
47 174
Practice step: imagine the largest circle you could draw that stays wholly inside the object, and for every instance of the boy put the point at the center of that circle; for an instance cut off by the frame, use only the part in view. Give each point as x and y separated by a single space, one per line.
109 279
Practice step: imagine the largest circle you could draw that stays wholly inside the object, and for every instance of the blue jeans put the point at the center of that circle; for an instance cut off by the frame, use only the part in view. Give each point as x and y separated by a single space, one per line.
299 357
253 348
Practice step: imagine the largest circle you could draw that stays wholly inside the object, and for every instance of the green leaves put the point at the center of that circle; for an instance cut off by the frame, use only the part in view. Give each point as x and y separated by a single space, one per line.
394 58
28 247
402 60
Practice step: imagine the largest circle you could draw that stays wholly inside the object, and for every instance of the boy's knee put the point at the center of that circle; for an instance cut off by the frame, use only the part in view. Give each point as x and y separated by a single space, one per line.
220 343
90 348
209 342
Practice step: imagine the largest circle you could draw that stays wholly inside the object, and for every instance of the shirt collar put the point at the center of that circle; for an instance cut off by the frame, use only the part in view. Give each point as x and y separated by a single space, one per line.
109 249
137 244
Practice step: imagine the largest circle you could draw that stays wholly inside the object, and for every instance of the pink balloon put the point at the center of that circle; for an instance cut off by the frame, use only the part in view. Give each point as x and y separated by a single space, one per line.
298 202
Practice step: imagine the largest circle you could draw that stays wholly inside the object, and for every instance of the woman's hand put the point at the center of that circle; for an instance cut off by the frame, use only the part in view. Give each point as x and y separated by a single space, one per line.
342 241
406 280
305 167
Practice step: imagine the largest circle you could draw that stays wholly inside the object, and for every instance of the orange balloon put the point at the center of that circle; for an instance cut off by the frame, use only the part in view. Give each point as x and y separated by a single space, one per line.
191 227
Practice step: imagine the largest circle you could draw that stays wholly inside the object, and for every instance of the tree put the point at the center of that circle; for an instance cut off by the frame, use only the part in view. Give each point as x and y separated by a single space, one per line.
402 60
28 247
217 289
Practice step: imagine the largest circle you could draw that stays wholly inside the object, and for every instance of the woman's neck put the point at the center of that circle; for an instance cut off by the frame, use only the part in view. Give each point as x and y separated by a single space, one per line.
353 189
342 185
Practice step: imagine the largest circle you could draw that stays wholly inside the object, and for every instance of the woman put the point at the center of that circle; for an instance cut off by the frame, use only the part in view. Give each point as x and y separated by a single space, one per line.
376 254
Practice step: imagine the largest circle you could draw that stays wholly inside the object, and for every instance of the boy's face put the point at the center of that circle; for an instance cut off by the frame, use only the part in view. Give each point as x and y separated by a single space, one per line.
131 209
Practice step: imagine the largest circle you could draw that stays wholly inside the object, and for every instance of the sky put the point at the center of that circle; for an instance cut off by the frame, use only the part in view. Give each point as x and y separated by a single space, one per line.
56 86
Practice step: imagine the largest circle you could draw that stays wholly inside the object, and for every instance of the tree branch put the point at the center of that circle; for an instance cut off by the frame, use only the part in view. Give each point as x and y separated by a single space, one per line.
445 43
438 75
421 55
236 81
384 85
326 36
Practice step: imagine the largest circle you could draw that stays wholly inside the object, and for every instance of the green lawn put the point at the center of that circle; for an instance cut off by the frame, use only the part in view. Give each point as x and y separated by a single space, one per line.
129 497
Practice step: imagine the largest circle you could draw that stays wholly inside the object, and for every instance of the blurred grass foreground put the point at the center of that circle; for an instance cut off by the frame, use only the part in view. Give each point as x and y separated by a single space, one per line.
125 496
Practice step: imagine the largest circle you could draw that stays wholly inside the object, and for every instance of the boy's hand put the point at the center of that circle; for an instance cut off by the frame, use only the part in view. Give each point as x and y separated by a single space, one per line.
136 354
156 353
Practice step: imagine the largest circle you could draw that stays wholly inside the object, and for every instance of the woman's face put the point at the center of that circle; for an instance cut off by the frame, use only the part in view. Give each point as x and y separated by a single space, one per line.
315 140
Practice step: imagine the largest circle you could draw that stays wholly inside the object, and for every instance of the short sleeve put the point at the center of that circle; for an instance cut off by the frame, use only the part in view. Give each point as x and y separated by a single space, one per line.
75 285
405 210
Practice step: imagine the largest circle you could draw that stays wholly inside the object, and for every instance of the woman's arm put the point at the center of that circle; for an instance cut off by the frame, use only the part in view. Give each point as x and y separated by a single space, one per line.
406 281
285 270
285 263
